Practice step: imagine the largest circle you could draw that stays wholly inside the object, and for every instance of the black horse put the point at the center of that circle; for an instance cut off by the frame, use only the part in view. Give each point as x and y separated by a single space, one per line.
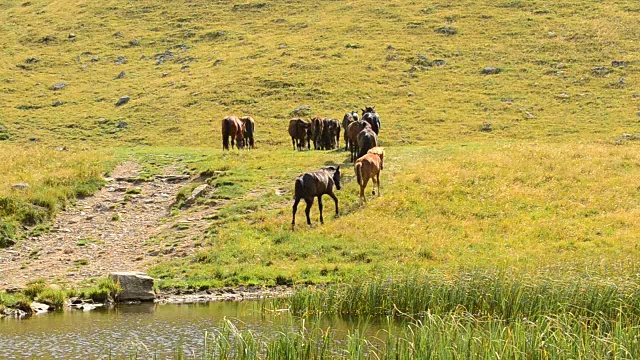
370 115
367 139
315 184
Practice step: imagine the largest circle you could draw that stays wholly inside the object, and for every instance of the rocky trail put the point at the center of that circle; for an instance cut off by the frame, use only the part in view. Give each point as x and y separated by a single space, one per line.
117 229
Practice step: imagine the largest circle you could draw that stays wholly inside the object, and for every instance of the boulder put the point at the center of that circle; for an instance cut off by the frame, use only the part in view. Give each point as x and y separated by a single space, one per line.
59 86
136 286
123 100
196 193
39 308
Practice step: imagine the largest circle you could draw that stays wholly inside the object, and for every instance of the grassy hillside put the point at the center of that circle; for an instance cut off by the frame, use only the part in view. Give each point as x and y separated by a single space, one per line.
549 184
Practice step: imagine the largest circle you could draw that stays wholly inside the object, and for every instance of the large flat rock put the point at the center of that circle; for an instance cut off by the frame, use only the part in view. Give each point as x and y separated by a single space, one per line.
136 286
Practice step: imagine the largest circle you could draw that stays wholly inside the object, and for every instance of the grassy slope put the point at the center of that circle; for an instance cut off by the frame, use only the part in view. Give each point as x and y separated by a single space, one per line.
550 191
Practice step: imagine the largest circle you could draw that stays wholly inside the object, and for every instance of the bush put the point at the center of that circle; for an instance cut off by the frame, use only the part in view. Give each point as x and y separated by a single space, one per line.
55 298
7 234
34 288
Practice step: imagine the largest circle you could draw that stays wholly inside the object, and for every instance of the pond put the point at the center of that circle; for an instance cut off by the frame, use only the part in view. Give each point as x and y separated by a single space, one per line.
144 330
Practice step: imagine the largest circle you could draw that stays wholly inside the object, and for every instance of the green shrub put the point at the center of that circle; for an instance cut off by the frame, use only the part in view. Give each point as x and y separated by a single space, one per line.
34 288
55 298
7 234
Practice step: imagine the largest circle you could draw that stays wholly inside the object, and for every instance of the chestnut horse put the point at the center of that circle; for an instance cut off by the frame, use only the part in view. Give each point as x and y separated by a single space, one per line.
369 167
249 129
346 121
298 132
352 135
315 184
234 128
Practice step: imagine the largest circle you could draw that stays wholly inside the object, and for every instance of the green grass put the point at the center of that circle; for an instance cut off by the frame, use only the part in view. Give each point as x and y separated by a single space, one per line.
529 171
442 337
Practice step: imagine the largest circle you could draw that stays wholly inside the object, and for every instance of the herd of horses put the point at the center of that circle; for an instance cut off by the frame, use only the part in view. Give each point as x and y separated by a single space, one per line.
360 139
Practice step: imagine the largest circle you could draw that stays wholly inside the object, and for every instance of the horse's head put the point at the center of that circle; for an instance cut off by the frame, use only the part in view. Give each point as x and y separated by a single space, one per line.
335 176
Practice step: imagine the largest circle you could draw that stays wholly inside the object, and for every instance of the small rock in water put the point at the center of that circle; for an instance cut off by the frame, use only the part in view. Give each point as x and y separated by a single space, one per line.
59 86
123 100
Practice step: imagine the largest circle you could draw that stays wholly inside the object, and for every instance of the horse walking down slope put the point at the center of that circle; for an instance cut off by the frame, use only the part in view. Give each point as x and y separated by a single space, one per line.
315 184
234 128
369 167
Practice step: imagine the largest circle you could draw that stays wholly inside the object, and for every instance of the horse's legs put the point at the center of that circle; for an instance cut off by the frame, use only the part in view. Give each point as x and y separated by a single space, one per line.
365 181
320 208
378 181
293 142
295 208
233 142
307 210
335 199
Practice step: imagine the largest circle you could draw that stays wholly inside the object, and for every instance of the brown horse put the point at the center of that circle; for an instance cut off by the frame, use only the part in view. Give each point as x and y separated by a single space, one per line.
352 135
234 128
369 167
367 139
315 184
249 129
346 121
317 128
298 132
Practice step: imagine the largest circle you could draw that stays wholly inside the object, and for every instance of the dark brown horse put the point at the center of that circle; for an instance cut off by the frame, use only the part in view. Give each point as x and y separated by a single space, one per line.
317 127
352 135
367 139
315 184
330 134
346 121
370 115
249 129
232 127
369 167
298 132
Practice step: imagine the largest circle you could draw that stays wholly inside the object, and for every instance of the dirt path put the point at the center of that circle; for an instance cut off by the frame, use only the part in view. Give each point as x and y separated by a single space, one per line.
114 230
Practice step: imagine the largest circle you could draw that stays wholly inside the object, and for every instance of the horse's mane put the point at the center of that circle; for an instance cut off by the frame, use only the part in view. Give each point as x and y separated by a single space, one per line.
378 150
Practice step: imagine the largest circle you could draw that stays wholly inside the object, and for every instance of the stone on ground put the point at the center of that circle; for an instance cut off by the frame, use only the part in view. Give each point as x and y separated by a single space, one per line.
136 286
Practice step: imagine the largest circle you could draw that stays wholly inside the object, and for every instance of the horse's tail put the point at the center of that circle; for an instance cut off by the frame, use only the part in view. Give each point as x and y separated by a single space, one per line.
359 172
226 132
299 188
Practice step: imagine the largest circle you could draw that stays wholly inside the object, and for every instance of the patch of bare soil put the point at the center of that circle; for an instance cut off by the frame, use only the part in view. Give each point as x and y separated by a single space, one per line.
114 230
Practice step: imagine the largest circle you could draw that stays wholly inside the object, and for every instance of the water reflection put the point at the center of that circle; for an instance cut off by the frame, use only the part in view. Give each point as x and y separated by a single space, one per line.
144 329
